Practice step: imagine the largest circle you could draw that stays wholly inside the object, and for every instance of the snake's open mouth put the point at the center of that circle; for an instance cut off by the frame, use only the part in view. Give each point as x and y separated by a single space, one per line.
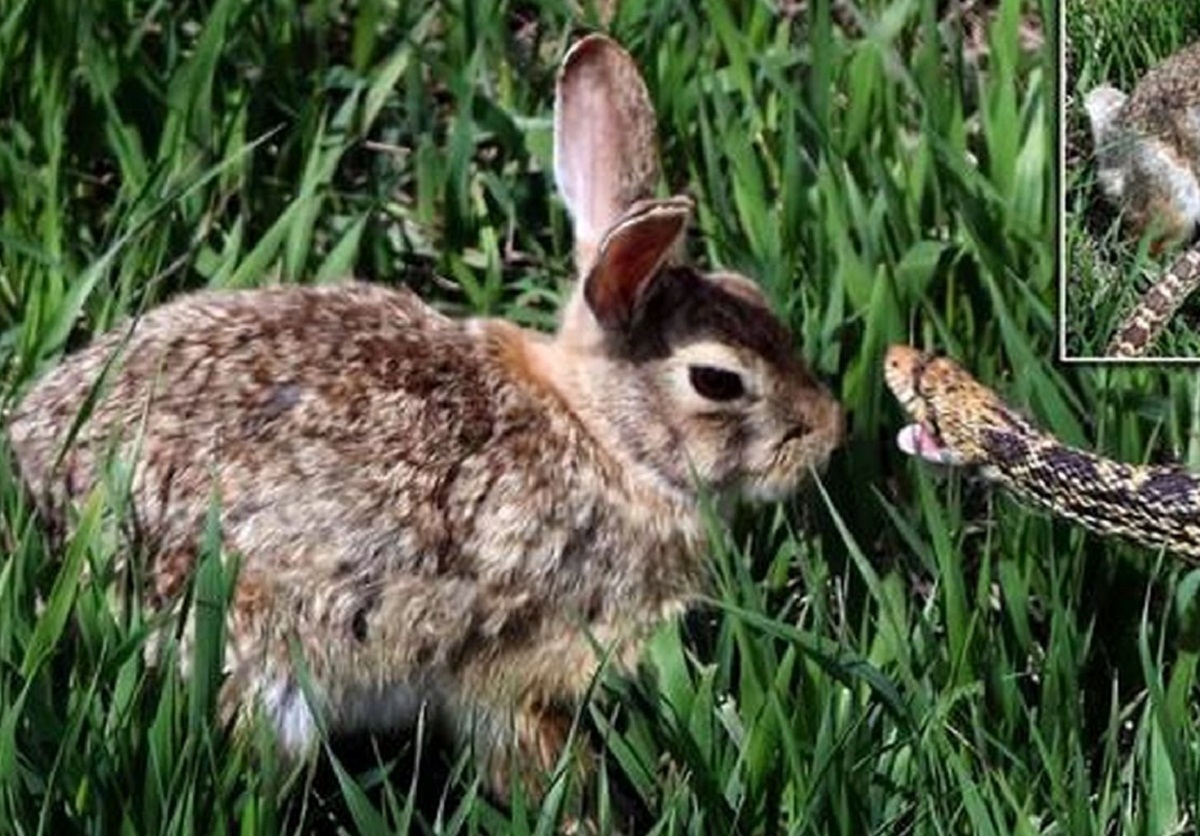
904 368
924 442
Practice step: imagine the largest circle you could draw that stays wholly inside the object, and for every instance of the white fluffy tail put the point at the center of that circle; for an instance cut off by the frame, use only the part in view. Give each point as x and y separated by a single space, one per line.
1102 105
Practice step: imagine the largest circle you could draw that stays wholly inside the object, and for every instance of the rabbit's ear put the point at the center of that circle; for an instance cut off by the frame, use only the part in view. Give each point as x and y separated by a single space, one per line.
630 255
605 154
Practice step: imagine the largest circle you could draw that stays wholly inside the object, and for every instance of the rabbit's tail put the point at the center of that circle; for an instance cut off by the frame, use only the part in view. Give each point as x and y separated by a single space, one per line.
1102 105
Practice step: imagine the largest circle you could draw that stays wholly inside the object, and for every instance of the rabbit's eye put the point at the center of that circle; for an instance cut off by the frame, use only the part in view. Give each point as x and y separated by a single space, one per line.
716 384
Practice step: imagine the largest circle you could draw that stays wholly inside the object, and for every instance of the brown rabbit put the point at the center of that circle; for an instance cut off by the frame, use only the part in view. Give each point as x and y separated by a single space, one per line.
450 513
1148 147
1148 165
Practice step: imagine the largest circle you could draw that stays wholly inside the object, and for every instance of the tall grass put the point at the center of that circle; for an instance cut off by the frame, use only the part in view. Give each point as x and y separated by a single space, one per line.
897 651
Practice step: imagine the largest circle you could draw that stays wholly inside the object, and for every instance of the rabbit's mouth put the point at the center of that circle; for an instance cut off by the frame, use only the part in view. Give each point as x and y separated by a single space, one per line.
794 457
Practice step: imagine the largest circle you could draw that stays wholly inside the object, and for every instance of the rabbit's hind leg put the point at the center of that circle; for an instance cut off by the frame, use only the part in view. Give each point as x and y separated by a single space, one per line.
282 702
272 675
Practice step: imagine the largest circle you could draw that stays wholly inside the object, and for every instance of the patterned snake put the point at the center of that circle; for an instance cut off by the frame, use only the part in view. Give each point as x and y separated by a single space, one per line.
1138 331
960 421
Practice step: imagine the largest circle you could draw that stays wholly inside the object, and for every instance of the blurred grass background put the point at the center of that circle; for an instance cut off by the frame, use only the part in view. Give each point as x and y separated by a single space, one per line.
896 651
1113 42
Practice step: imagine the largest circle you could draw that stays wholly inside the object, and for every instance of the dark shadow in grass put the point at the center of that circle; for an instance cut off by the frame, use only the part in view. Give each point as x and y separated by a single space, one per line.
384 764
325 809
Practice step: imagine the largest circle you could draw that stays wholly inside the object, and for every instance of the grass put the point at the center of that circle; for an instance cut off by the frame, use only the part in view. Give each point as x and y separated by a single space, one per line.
897 651
1113 42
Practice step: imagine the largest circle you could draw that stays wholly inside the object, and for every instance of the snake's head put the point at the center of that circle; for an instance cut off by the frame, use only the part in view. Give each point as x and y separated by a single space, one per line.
955 415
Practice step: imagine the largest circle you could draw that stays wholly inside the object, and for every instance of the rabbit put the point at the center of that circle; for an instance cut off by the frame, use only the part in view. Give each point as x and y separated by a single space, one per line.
457 514
1148 148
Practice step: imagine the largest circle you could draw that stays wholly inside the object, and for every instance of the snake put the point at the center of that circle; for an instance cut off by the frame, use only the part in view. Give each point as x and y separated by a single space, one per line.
1141 327
960 422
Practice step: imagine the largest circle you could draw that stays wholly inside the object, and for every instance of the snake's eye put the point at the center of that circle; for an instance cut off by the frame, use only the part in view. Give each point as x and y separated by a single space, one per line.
918 371
716 384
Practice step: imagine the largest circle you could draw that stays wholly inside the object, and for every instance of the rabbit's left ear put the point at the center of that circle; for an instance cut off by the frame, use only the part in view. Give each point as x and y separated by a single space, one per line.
630 255
605 145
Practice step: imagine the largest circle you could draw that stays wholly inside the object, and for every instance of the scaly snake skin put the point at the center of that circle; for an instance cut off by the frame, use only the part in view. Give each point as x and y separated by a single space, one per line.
1138 331
960 421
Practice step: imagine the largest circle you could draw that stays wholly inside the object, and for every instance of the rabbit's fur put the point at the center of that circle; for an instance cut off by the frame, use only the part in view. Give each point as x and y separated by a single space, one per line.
1148 147
462 514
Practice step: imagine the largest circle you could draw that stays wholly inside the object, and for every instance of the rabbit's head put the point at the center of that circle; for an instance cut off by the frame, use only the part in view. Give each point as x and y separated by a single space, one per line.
687 372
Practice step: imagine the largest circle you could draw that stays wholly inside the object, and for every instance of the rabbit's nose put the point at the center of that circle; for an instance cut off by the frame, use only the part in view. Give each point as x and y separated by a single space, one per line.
826 421
823 422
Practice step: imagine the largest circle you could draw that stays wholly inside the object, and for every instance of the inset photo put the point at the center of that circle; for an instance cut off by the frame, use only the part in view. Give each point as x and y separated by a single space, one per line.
1131 157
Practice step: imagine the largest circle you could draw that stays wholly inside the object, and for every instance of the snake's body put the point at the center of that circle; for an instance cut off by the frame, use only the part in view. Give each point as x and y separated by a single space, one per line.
1138 331
961 421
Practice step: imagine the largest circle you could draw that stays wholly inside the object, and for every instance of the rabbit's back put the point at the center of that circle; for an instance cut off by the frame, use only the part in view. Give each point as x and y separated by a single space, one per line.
293 398
355 418
1166 104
